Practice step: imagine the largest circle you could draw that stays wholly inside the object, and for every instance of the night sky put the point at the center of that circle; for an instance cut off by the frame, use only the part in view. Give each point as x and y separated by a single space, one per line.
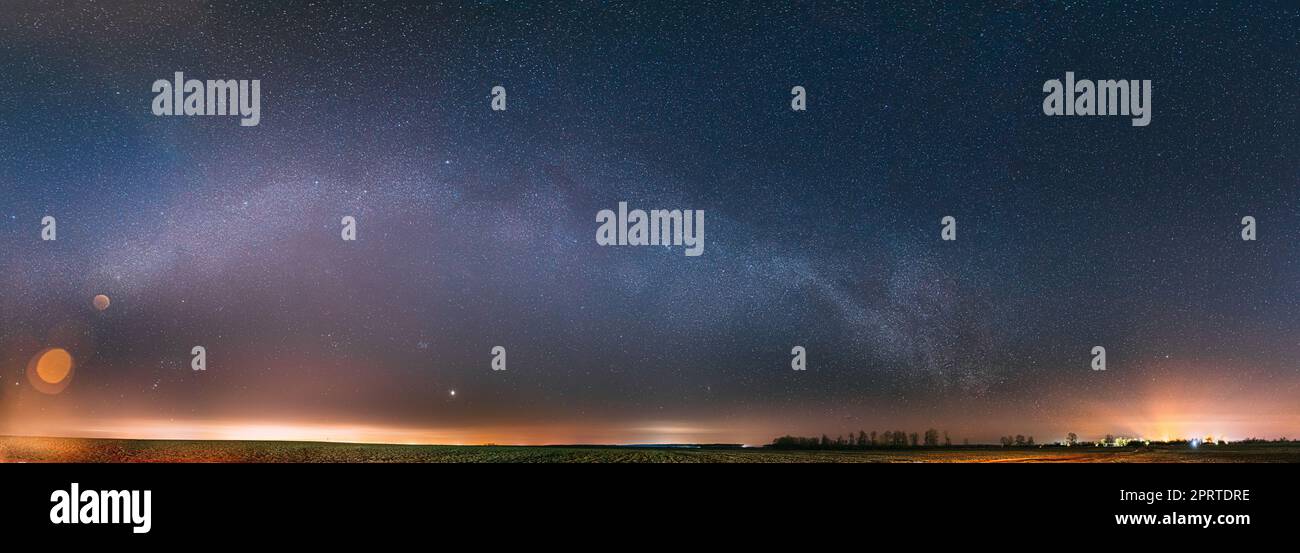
476 227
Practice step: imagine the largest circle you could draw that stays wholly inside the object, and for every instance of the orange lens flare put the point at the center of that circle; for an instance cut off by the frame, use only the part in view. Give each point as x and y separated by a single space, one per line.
50 370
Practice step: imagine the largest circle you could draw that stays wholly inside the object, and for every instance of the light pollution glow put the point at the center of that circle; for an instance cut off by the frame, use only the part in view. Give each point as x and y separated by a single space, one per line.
147 429
1175 406
1174 400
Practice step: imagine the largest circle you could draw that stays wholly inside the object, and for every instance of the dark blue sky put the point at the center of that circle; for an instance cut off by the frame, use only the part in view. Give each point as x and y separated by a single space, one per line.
476 228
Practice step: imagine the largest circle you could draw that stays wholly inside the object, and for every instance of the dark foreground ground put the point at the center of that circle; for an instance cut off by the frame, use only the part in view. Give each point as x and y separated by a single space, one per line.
20 449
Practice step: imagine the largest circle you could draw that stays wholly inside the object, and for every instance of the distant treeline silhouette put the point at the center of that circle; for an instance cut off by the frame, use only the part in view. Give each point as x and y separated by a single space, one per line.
1282 440
888 438
932 438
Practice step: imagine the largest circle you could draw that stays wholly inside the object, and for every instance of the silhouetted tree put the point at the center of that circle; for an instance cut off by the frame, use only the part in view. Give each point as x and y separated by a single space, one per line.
794 442
1071 439
931 438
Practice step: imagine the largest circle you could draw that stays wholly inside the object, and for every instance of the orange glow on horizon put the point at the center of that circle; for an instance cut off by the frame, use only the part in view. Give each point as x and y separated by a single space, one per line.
235 430
1193 402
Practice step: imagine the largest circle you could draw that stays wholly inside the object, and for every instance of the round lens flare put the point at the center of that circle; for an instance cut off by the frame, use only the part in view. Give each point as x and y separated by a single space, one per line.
54 365
101 302
50 370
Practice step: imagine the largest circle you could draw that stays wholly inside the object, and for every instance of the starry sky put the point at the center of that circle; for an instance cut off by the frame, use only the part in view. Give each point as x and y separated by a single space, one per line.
476 227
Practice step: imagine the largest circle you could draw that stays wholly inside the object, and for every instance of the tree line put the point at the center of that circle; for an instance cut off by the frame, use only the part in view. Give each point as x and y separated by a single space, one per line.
863 440
937 438
887 439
